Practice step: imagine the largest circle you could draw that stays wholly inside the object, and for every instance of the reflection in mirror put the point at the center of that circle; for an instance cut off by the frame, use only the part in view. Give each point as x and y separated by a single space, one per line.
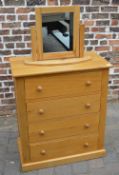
57 32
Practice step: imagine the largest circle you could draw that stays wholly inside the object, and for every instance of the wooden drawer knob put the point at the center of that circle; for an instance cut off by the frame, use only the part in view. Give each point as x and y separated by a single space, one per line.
88 105
86 145
42 132
43 152
87 125
41 111
39 88
88 83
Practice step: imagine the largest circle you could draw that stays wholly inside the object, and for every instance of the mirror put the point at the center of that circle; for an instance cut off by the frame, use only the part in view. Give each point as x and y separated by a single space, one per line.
57 32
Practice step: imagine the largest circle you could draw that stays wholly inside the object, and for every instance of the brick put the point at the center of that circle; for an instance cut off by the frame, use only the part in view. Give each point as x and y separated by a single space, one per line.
3 71
8 95
23 17
81 2
65 2
14 2
4 32
100 2
114 29
103 23
115 48
21 31
102 36
29 45
8 101
2 17
1 46
88 36
109 9
4 65
9 45
27 38
1 96
114 42
4 89
98 29
89 23
20 45
11 17
5 52
100 15
103 42
32 17
92 9
94 42
35 2
7 10
12 38
102 48
22 52
11 25
24 10
114 22
115 2
52 2
28 24
89 48
85 16
9 83
115 16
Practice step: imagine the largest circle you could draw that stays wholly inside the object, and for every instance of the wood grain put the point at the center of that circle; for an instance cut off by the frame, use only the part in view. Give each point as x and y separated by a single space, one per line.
63 84
60 148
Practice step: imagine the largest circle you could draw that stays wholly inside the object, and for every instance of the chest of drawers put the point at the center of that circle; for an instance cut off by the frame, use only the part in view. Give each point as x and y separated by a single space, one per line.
61 111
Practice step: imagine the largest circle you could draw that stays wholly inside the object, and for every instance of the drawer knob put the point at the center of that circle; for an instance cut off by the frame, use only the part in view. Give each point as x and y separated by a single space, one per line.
43 152
87 125
86 145
88 83
39 88
41 111
88 105
42 132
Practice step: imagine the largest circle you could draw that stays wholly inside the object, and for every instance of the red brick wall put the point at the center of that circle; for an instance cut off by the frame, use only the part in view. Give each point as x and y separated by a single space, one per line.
101 18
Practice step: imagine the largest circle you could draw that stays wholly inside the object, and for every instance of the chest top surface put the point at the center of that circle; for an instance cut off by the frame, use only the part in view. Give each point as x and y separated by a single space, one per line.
19 69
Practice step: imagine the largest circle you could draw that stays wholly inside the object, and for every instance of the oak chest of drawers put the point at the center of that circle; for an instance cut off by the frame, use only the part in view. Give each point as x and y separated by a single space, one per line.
61 111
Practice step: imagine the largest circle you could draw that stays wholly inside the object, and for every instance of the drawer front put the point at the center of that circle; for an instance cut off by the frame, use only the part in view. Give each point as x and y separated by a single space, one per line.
62 84
63 127
62 107
65 147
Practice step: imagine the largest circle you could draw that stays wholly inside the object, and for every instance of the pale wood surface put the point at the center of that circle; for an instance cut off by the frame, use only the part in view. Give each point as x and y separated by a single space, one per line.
63 160
42 130
81 39
22 118
60 148
63 84
19 69
34 43
103 107
57 62
65 107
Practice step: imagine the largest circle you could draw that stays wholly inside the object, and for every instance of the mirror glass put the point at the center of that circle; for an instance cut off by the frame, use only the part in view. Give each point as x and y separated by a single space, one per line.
57 32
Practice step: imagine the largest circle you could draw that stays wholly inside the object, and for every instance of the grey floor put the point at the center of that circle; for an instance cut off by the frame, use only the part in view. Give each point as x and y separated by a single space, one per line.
109 165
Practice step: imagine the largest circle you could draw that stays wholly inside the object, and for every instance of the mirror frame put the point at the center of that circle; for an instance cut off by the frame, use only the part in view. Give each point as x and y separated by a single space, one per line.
76 21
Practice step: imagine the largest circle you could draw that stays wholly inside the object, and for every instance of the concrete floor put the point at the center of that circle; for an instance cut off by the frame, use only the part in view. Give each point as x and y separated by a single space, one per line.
109 165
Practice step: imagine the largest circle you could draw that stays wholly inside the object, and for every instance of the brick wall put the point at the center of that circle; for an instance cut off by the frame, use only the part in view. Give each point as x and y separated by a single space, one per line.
101 18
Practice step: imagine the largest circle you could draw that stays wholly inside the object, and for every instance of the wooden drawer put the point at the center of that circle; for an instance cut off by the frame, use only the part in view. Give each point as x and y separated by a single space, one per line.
63 127
65 147
62 107
62 84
